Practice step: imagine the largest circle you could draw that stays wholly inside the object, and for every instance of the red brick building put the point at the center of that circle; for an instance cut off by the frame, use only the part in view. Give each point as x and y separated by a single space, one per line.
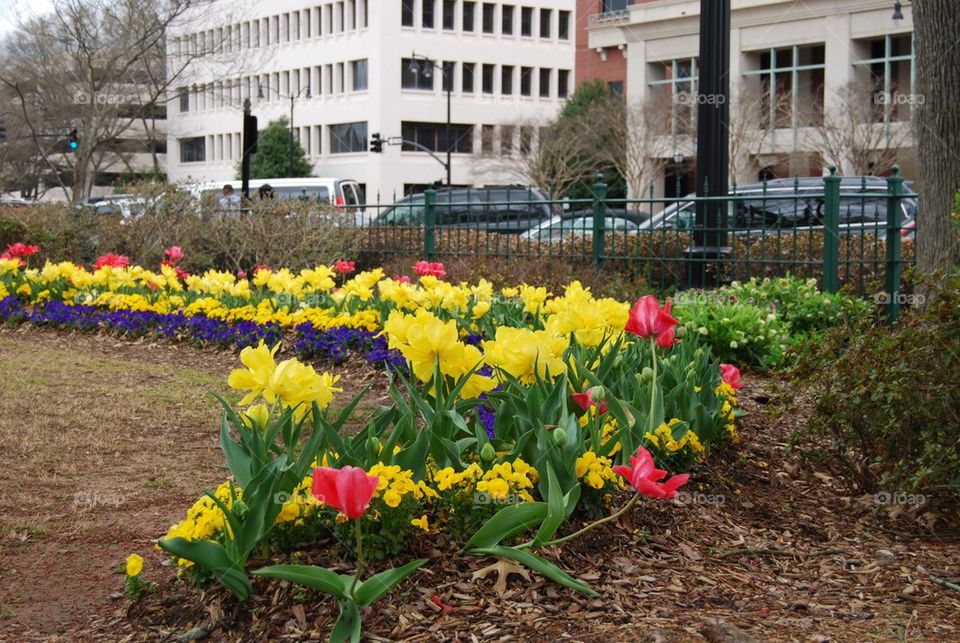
608 64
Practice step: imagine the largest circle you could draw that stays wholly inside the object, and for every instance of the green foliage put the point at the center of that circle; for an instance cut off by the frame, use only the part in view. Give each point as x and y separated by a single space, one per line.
888 401
586 96
272 159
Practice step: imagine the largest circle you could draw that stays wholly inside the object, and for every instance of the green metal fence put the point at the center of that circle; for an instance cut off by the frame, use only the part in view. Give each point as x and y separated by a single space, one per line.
841 231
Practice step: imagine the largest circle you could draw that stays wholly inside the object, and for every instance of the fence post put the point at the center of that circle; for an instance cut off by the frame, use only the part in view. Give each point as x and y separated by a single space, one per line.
831 231
429 223
894 256
599 212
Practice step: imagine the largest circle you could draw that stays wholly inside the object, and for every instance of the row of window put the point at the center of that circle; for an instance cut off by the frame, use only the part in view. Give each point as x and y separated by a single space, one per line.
467 16
348 138
321 80
505 80
332 18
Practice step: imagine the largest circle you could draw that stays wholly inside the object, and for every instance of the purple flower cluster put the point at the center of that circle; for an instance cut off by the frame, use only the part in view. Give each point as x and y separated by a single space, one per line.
128 323
335 344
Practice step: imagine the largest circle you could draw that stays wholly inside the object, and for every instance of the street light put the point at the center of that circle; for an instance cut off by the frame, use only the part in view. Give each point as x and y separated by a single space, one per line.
305 92
897 13
423 65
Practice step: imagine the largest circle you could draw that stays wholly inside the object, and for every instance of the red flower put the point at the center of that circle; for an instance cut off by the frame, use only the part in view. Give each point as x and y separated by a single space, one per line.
344 267
647 319
731 375
174 253
586 399
348 490
402 279
259 268
112 260
241 274
181 273
423 268
645 477
20 250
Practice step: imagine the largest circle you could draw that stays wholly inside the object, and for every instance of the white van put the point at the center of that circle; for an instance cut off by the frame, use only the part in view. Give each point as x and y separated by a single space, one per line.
340 193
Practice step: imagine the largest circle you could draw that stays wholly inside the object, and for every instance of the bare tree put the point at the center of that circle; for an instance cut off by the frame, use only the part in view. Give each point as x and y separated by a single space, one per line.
750 127
854 136
100 67
559 156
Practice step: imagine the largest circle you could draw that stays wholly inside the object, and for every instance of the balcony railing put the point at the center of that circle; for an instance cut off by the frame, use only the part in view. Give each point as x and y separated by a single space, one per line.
608 18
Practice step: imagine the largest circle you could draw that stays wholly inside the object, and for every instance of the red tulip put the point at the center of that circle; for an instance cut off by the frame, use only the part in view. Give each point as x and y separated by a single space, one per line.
112 260
402 279
20 250
645 477
585 400
647 319
731 375
435 269
174 253
344 267
347 490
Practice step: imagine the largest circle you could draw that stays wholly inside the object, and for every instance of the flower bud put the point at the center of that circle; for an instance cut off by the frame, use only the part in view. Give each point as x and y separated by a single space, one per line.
560 436
597 394
373 444
646 375
487 453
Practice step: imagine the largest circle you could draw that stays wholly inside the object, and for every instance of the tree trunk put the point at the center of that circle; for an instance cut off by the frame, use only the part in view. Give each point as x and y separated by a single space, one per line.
937 129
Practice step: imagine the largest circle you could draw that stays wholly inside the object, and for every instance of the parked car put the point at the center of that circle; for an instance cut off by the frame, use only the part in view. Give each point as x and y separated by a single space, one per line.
10 201
580 222
511 210
863 208
344 194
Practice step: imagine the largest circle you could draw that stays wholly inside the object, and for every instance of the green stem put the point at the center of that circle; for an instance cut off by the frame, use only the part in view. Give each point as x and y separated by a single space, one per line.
356 576
651 421
593 524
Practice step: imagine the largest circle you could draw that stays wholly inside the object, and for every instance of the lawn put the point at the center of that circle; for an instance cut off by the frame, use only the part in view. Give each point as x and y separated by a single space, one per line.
105 442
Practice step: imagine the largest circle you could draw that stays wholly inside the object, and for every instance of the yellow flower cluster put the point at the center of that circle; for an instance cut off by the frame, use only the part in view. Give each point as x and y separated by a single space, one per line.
525 353
596 471
663 438
395 483
729 395
292 382
588 319
499 482
205 520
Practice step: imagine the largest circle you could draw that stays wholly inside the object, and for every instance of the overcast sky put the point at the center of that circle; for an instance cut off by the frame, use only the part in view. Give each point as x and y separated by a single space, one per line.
14 11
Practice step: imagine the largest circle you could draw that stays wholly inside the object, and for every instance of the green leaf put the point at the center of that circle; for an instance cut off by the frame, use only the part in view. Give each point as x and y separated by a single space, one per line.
212 557
238 460
312 576
510 520
370 590
537 564
556 509
347 627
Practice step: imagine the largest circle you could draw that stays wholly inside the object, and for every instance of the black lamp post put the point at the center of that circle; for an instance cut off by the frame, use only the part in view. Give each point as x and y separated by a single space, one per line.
897 13
713 152
423 65
305 92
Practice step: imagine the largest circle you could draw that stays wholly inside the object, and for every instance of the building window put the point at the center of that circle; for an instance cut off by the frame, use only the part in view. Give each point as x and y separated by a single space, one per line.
526 81
886 68
433 136
615 5
615 87
791 80
428 6
526 21
506 80
184 95
488 13
469 15
486 139
358 69
563 28
466 83
487 79
406 13
348 137
193 150
545 83
449 15
414 75
506 140
545 19
506 19
563 83
526 139
675 83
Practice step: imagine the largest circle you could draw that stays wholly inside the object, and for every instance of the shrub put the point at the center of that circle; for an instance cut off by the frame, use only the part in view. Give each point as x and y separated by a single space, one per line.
886 401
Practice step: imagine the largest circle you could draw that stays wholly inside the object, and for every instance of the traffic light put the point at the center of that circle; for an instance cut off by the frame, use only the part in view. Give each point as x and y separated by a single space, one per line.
376 144
74 141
